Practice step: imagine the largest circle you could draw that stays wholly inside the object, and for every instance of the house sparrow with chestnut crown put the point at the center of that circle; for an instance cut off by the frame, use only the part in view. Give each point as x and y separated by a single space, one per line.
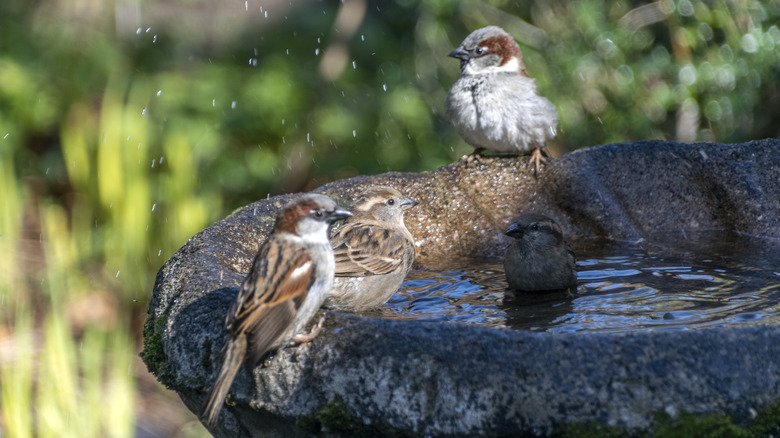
493 104
374 251
289 279
538 259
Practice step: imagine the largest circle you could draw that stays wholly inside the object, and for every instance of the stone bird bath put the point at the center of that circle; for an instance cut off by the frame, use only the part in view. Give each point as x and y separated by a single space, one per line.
395 377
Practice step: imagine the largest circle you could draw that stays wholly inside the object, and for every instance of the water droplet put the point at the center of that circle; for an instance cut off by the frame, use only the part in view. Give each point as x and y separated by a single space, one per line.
308 138
6 135
154 206
214 103
317 52
233 105
354 65
143 112
384 87
246 6
153 161
159 93
362 37
265 14
162 159
354 133
154 39
283 142
287 51
148 29
138 31
117 273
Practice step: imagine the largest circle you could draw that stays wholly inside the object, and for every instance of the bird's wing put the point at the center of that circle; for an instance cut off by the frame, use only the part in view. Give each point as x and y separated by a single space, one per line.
362 250
271 295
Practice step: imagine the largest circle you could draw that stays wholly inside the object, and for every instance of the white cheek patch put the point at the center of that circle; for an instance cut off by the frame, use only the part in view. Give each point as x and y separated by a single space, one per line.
513 65
300 270
313 231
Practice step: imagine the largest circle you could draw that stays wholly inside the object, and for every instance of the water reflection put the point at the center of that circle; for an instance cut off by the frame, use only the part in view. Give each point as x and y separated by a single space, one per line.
622 288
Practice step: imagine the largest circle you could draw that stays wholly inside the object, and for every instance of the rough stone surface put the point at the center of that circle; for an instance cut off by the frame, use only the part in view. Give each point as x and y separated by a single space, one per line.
411 377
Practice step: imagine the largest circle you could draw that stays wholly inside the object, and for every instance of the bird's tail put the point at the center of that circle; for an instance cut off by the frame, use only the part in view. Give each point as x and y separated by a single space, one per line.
234 357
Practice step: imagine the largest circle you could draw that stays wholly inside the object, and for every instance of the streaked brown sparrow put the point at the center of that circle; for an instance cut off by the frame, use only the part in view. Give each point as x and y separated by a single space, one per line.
288 281
374 251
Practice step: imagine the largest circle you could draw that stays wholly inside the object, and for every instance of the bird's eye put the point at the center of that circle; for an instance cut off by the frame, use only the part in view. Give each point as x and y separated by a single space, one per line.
318 213
480 50
391 201
535 227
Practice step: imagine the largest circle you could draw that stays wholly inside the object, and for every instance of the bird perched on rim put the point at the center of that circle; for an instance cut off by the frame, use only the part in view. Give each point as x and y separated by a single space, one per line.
494 104
289 279
374 251
538 259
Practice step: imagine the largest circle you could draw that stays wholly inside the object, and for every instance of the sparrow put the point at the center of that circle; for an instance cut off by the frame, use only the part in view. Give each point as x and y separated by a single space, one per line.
494 104
289 279
538 259
373 249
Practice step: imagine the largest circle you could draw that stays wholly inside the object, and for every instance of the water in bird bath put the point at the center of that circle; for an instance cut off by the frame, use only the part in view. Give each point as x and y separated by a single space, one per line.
717 279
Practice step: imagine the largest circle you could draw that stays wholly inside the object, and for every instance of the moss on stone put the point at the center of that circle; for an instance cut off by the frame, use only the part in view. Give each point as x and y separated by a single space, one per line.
335 418
153 353
688 425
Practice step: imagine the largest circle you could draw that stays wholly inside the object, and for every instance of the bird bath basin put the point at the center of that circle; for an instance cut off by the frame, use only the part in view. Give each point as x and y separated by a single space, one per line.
732 282
680 322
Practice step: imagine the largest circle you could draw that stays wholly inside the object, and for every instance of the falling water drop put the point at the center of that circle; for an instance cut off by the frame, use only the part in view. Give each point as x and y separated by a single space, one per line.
159 93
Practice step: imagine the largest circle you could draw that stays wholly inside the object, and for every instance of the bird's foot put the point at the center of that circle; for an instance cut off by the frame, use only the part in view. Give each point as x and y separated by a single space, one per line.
537 158
304 339
473 157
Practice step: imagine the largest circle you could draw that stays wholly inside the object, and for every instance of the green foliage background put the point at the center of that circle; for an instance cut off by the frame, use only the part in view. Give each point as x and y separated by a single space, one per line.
127 126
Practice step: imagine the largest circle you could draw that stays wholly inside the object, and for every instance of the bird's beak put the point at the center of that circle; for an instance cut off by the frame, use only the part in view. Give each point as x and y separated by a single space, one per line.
459 53
514 231
339 214
408 203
